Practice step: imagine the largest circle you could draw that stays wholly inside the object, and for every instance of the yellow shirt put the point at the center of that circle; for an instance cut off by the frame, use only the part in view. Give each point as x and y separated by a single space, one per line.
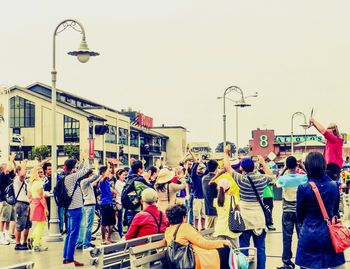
221 226
36 189
234 189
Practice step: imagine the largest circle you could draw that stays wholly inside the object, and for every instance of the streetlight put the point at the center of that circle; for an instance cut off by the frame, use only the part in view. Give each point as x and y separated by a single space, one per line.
305 125
83 54
238 103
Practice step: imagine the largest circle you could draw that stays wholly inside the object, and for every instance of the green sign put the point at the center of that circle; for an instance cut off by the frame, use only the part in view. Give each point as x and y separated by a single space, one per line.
281 139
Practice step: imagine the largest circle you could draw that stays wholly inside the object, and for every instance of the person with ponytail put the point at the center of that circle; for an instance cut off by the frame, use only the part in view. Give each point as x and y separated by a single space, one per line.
222 205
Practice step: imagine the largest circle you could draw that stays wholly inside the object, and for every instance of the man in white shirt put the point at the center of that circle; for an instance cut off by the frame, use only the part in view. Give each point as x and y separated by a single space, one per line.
23 223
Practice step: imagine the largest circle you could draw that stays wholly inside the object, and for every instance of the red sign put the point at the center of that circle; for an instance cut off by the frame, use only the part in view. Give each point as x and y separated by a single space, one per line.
262 142
91 148
145 121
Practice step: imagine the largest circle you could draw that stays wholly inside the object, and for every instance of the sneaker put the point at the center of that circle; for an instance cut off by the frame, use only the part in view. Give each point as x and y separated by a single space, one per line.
271 228
4 242
40 248
25 246
88 249
30 243
76 263
19 247
289 264
13 236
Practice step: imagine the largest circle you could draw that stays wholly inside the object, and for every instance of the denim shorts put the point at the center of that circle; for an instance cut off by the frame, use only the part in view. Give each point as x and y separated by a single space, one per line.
22 216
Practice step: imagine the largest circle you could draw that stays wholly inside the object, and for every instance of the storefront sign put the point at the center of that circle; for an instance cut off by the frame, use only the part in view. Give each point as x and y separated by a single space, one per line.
91 148
281 139
145 121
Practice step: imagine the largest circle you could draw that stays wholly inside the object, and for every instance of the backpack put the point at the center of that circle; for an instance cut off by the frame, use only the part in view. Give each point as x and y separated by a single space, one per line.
60 192
10 196
130 199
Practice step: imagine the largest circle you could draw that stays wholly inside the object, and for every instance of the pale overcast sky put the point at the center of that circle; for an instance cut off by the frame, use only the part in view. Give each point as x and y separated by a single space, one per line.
171 59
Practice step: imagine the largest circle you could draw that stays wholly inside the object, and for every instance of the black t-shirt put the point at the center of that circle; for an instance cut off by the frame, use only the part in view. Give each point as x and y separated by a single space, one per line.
5 180
210 193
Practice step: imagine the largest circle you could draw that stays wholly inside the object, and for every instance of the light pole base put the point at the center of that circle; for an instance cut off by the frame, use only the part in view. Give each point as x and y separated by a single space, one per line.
54 232
54 238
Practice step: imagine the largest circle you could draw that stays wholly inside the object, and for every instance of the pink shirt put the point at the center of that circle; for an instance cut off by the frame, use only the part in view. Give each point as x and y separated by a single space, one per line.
334 149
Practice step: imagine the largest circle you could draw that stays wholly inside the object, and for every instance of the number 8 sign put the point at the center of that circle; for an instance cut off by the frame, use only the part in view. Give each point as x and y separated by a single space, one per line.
264 141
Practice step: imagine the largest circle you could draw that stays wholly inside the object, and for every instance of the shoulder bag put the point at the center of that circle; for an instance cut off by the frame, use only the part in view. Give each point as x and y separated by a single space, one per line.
339 234
265 208
235 220
179 256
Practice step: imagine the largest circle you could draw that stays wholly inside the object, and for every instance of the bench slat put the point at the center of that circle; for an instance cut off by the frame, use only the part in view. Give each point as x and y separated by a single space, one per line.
147 247
148 259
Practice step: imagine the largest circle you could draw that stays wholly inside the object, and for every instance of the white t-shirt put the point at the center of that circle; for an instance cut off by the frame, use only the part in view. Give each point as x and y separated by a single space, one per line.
119 185
23 195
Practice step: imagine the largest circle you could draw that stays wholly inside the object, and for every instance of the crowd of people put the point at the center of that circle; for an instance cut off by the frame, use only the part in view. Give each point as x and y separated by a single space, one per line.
181 202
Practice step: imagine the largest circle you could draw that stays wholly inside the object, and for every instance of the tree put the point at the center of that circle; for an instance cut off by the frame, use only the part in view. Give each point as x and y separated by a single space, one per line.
245 150
220 147
41 152
72 151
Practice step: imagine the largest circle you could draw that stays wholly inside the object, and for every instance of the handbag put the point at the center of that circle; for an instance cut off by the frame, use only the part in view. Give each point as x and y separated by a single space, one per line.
265 208
235 220
237 260
340 235
179 256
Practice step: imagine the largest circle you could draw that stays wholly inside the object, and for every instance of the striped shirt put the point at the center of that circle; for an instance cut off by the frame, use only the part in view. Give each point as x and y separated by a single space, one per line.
245 188
70 181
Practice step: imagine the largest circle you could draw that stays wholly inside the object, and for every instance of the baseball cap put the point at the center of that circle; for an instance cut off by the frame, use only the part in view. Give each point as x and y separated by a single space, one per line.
248 165
224 183
149 195
201 166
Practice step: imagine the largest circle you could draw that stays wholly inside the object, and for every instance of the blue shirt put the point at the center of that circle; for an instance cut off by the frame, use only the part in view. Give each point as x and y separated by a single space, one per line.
106 193
292 180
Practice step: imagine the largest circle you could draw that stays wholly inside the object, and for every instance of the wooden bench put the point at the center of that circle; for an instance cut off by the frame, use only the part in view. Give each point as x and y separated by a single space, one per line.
116 256
152 255
26 265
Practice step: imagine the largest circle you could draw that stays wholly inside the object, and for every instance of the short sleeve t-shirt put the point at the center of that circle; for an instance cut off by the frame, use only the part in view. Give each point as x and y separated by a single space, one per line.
37 188
23 195
106 192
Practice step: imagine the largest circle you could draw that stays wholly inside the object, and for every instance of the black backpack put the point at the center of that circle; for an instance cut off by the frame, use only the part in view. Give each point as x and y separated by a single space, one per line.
130 199
60 192
10 196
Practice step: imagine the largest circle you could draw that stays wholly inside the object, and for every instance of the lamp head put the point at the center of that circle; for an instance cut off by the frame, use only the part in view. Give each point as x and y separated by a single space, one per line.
242 103
305 125
83 53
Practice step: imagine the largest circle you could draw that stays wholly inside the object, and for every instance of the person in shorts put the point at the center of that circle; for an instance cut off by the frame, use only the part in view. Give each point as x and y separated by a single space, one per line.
21 209
106 205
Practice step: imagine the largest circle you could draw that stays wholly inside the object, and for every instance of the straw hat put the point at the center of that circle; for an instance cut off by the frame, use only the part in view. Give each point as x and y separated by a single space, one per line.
165 175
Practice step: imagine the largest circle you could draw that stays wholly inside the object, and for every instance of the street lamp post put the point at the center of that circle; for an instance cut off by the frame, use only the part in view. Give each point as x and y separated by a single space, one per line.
304 125
83 54
238 103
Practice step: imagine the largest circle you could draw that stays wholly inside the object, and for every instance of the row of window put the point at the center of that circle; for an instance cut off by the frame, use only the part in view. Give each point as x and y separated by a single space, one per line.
22 115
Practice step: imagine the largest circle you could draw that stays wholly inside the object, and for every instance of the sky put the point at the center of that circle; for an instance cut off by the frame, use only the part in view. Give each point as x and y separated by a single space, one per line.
172 59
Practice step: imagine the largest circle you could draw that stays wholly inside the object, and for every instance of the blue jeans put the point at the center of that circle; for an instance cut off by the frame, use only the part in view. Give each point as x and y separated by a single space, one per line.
62 216
289 221
120 222
189 206
259 243
87 221
74 217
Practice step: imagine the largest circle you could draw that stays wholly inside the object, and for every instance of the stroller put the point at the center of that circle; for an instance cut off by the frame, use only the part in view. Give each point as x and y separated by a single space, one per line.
239 261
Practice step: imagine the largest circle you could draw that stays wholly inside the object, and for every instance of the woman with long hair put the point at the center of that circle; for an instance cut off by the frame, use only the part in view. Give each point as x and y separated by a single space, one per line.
38 209
315 248
222 204
121 175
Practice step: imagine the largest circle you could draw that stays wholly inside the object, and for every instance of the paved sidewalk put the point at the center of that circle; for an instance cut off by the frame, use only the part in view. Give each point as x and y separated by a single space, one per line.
53 257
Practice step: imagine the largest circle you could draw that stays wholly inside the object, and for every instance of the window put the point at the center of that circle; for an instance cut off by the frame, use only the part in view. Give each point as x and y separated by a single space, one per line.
111 135
164 145
134 139
99 156
123 136
71 130
22 113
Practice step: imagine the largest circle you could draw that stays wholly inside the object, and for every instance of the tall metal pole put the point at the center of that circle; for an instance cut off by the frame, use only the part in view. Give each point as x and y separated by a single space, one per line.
54 231
224 121
291 137
236 131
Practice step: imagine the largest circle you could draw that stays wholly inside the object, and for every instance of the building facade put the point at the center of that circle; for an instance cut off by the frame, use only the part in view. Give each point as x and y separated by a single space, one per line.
105 132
